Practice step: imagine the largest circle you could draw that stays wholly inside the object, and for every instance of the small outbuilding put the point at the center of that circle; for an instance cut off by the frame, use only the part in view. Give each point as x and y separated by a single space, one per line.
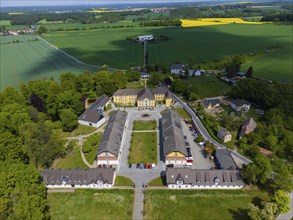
224 135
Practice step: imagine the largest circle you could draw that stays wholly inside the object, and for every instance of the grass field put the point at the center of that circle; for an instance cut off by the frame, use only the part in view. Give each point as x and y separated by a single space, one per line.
143 148
145 125
208 86
32 59
200 204
91 156
202 43
5 22
70 161
159 181
123 181
91 204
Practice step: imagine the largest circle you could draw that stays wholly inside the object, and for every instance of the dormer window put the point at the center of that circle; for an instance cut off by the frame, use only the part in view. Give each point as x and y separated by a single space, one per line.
179 182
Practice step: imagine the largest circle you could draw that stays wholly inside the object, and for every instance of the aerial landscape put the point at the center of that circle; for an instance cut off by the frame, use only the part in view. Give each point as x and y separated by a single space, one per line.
146 109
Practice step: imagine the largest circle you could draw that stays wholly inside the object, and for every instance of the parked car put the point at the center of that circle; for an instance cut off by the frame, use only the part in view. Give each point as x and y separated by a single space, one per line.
187 144
145 166
141 166
201 143
130 166
170 165
185 137
153 165
149 166
138 166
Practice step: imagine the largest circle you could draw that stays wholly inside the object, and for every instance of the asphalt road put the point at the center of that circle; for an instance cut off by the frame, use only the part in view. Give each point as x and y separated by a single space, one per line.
203 130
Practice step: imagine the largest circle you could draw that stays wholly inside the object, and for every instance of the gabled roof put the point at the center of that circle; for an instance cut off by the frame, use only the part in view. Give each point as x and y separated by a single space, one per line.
204 177
125 92
213 102
112 136
224 159
94 113
145 93
77 176
173 138
223 132
177 66
248 125
240 102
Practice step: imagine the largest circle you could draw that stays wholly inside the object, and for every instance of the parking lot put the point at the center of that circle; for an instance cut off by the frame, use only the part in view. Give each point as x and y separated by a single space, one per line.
199 161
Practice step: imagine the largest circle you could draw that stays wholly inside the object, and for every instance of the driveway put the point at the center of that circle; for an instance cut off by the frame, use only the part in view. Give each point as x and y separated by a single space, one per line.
199 162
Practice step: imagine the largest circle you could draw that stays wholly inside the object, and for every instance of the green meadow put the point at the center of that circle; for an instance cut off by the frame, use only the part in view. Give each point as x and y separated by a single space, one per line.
26 57
203 44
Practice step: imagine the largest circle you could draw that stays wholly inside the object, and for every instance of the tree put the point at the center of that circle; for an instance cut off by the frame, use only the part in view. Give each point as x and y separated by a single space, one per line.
257 172
42 30
282 200
178 86
22 194
68 119
282 180
267 212
249 72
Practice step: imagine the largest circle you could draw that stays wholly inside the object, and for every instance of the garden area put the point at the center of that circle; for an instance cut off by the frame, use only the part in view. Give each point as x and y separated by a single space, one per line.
92 204
143 148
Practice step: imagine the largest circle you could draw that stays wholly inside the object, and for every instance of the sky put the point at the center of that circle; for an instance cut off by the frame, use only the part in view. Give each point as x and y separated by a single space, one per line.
9 3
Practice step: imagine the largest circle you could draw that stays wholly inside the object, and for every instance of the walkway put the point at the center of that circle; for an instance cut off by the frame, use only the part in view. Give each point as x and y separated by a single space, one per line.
139 176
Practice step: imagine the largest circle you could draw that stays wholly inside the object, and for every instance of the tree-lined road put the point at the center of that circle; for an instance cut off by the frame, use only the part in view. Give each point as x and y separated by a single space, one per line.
203 130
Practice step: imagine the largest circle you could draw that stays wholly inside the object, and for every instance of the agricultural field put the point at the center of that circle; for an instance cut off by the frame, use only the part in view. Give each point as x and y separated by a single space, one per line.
31 58
91 204
200 204
214 21
143 148
202 44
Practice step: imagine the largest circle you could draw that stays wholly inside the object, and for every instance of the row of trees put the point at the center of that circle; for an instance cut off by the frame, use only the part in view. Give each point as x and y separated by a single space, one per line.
175 22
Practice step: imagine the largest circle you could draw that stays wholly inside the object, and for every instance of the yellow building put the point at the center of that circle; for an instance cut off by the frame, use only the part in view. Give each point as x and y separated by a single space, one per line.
173 139
146 98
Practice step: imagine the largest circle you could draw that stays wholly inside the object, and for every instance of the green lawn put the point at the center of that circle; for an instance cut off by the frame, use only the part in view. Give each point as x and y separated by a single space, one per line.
5 22
91 204
159 181
70 161
197 42
143 148
182 113
32 59
208 86
91 156
83 129
123 181
145 125
134 85
200 204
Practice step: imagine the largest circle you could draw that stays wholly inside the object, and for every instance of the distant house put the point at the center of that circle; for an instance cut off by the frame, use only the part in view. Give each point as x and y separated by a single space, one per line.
224 160
109 152
248 126
173 139
224 135
197 73
211 103
144 76
144 38
182 178
240 105
78 178
265 152
177 69
93 116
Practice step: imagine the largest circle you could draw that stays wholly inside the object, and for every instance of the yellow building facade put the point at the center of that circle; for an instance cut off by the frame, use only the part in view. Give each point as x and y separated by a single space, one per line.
146 98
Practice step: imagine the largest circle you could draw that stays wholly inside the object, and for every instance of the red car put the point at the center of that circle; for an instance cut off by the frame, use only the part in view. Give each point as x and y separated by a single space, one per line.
149 166
145 166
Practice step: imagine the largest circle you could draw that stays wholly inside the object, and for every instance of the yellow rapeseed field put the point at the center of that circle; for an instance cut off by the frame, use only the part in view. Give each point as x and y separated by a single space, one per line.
98 10
215 21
